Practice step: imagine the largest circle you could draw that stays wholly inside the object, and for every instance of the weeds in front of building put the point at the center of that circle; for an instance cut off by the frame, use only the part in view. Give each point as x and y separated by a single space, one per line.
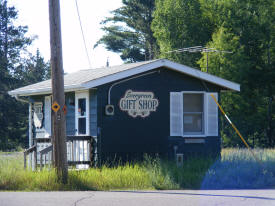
235 170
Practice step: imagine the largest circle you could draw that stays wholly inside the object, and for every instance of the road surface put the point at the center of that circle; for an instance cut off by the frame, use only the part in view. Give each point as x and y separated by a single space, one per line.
144 198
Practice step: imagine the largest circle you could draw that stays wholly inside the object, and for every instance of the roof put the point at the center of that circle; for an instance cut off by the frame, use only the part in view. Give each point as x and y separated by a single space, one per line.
85 79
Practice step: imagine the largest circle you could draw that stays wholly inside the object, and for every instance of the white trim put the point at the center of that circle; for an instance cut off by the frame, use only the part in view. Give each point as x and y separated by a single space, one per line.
202 75
30 124
44 91
48 116
78 95
204 115
176 114
123 74
205 107
163 63
134 71
213 114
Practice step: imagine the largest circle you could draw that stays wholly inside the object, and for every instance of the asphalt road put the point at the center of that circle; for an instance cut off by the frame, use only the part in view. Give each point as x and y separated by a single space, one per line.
144 198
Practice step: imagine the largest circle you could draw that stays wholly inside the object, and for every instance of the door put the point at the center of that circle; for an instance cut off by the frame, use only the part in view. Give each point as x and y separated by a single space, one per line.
82 113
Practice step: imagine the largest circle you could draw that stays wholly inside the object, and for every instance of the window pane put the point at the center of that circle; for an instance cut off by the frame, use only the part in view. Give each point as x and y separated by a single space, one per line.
81 125
82 107
192 102
192 123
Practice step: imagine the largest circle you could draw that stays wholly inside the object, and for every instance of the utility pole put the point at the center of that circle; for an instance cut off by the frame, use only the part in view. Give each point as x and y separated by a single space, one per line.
59 125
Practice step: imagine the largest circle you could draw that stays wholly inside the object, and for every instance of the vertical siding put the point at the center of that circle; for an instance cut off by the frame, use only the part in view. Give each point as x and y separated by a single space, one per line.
93 112
70 117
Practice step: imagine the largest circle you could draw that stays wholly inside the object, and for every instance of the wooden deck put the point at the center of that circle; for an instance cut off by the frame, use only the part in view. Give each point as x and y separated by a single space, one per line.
80 151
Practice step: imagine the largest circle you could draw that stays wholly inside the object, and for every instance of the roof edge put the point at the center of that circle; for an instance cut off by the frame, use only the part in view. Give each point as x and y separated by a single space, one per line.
48 90
164 63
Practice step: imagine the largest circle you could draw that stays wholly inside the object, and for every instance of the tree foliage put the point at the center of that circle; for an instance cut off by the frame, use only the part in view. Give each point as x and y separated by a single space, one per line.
128 31
180 24
15 71
247 29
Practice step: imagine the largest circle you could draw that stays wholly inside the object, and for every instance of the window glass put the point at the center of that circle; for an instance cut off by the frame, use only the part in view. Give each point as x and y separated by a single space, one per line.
193 113
81 125
192 102
82 107
192 123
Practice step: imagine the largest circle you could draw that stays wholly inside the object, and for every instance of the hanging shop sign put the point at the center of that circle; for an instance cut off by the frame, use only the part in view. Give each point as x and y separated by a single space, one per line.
38 114
138 103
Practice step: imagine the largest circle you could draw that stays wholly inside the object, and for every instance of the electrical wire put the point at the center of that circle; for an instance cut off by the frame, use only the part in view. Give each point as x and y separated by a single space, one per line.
83 37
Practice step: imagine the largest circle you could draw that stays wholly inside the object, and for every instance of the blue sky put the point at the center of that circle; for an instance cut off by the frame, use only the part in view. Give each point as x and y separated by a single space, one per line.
34 14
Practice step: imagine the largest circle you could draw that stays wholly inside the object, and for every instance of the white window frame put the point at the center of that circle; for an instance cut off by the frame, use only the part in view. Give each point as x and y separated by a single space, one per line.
204 115
80 95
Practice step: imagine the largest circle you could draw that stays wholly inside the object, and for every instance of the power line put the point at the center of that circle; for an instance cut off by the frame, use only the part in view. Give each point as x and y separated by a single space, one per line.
83 37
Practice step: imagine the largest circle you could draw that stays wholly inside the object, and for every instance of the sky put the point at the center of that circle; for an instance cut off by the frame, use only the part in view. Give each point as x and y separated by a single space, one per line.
35 15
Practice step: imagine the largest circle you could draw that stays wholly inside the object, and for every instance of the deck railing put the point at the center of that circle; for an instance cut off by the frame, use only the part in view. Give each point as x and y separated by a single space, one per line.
79 152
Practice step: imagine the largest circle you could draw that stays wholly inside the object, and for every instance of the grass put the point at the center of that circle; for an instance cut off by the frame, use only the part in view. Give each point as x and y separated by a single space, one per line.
235 170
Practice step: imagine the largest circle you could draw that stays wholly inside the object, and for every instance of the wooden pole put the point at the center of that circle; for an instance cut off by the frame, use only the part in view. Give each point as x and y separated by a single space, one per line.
59 124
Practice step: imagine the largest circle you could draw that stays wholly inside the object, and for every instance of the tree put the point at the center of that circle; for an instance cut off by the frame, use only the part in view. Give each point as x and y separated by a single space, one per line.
179 24
33 70
131 34
12 43
15 71
247 29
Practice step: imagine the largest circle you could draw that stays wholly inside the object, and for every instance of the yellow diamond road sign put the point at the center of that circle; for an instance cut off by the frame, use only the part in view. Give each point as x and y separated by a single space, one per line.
55 107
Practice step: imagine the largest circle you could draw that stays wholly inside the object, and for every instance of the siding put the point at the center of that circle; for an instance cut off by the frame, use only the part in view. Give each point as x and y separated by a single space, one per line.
124 137
93 112
70 117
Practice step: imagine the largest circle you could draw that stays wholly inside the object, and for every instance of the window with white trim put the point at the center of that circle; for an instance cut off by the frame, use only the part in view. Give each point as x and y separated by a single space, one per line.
82 113
193 118
193 114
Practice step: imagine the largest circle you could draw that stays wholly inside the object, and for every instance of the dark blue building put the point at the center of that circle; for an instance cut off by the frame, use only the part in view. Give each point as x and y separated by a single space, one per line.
154 107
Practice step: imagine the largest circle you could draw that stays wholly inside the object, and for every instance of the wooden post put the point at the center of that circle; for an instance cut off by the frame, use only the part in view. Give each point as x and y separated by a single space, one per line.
41 161
25 160
35 158
59 124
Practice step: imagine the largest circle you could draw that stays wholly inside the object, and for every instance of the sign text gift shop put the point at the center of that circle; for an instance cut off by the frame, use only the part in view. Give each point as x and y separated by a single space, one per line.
138 103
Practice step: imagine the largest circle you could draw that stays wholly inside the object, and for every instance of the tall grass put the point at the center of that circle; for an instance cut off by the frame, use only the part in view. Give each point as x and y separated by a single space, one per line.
235 169
238 169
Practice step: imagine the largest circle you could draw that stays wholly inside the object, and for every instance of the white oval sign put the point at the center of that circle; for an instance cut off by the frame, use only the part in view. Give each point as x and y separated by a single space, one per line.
138 103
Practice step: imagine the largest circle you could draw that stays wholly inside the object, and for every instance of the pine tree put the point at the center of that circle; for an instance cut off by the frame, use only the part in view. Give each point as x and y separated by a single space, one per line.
131 34
15 71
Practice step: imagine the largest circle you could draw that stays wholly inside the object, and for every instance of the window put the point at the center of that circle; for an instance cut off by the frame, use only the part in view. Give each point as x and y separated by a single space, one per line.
82 116
82 113
193 114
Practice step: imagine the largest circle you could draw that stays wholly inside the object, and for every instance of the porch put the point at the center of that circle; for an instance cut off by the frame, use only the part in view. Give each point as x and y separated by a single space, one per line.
80 152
